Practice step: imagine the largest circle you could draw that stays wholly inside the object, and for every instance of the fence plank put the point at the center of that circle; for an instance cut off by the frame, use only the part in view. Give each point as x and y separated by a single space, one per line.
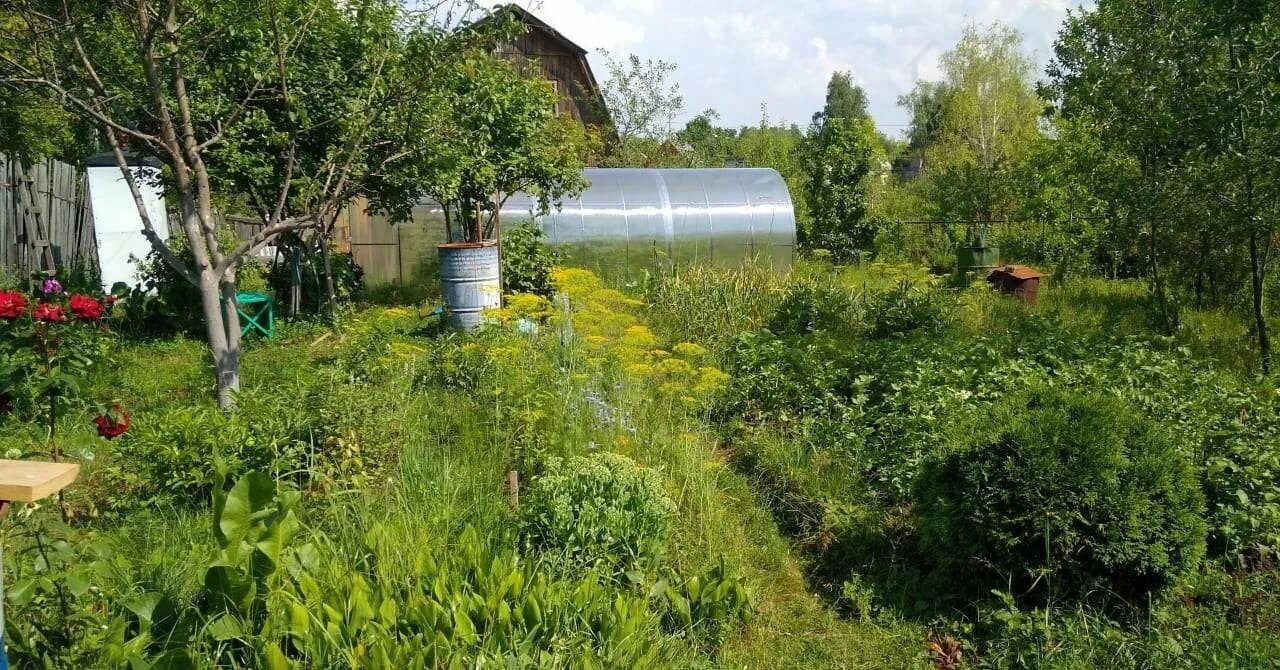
59 199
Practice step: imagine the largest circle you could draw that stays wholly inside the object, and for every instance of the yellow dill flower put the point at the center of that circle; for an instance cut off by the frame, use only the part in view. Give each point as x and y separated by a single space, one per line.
689 350
498 315
638 370
395 311
596 340
660 354
406 349
576 283
639 336
504 353
710 380
713 375
622 440
618 323
527 304
608 298
625 354
675 367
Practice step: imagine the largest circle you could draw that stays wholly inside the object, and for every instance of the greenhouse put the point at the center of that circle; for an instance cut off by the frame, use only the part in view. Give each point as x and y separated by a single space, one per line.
684 216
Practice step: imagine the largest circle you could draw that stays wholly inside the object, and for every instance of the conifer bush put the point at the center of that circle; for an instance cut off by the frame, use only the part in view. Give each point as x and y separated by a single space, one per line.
1072 494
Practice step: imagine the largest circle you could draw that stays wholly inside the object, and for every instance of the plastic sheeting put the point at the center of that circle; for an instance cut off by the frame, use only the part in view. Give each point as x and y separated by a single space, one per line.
681 216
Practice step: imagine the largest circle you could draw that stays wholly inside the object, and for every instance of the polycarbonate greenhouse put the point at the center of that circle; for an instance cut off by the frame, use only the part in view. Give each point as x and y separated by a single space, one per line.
627 219
638 216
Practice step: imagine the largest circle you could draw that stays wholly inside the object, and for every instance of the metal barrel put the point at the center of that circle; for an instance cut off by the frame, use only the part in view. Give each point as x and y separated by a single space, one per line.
470 281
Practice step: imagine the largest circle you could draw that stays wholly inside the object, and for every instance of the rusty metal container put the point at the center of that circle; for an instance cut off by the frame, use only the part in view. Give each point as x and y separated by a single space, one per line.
1020 281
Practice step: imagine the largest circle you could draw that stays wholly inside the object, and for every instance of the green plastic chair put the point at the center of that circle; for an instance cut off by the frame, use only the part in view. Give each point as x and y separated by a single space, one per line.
254 308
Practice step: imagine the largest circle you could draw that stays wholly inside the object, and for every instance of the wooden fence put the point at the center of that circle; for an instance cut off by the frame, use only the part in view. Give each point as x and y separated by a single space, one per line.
46 222
400 253
45 218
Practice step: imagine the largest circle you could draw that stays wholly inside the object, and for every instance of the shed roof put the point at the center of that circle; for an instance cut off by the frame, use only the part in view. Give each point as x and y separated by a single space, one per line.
536 23
1018 272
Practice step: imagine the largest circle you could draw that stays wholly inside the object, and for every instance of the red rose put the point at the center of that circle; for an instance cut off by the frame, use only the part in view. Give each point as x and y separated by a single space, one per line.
112 424
110 300
12 305
86 308
49 313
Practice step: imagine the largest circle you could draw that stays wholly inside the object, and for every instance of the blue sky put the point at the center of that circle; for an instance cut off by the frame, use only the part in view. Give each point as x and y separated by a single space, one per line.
734 55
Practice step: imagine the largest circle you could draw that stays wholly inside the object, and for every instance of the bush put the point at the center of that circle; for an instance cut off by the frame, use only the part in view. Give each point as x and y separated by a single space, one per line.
782 384
527 260
178 452
601 510
907 308
164 302
348 278
1071 493
808 309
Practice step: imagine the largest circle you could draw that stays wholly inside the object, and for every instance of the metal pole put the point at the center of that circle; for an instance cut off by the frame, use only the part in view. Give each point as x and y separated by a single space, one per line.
4 652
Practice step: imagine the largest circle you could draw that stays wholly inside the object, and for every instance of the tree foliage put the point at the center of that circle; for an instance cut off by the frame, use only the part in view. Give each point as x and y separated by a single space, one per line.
839 154
282 114
643 106
1186 91
986 126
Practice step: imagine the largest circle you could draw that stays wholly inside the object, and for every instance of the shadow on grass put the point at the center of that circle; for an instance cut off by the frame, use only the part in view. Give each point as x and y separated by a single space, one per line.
872 549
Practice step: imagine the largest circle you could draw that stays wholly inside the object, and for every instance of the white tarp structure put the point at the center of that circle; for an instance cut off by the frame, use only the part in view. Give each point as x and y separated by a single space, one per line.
116 221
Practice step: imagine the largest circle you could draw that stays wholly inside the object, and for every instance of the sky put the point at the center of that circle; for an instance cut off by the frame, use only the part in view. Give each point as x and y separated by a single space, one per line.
736 55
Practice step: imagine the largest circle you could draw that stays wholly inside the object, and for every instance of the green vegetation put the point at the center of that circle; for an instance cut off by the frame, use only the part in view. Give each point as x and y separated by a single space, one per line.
887 463
858 462
1069 494
1054 486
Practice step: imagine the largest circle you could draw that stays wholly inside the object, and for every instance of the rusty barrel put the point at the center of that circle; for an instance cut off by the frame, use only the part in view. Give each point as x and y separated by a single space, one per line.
470 281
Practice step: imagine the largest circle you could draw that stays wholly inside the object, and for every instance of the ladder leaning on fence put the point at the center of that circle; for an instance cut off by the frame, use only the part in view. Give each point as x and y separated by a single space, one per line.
45 218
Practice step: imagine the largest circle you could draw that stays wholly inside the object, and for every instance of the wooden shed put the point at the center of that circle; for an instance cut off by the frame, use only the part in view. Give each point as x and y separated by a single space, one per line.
560 61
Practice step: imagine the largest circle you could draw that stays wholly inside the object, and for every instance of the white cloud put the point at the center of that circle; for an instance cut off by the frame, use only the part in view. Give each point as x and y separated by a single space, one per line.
621 26
734 54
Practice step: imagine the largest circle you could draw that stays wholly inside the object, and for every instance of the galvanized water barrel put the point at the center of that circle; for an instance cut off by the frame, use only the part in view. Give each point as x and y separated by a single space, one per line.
470 281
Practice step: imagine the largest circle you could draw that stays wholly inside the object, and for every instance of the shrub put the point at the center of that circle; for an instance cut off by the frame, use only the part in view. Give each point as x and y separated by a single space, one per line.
601 510
164 302
527 260
348 278
907 308
782 384
808 309
178 452
1070 493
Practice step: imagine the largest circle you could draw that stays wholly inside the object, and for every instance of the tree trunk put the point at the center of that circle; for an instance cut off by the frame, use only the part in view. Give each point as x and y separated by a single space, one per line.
224 351
1257 273
330 295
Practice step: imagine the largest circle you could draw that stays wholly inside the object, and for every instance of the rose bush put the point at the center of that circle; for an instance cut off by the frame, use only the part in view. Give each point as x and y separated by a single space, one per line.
46 356
48 312
12 305
112 424
86 308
